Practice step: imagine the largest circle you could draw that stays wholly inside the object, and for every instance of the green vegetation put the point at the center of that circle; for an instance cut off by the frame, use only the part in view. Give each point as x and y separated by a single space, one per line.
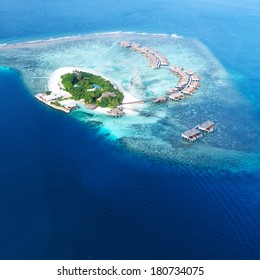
81 84
57 103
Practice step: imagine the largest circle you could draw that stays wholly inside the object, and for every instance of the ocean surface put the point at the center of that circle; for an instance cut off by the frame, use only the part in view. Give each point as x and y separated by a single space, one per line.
82 186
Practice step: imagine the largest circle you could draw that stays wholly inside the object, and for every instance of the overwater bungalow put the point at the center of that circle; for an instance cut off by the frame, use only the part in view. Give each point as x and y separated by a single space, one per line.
188 90
163 60
192 135
173 90
195 77
116 112
184 80
137 47
160 99
207 126
154 61
176 69
194 84
189 72
177 96
180 85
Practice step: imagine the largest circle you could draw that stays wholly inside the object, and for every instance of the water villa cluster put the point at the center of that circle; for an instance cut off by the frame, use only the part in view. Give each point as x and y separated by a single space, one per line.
196 133
156 59
187 84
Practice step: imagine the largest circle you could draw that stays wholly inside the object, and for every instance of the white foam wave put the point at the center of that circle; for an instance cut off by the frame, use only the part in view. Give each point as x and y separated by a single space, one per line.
72 37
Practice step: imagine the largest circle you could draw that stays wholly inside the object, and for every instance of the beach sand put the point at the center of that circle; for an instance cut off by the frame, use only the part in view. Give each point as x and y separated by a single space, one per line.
54 85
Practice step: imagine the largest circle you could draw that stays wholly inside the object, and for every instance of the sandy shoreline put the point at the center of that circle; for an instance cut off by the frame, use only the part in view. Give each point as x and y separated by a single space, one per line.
54 85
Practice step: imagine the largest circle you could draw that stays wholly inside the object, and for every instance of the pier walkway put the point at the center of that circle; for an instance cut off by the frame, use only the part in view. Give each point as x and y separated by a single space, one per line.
140 101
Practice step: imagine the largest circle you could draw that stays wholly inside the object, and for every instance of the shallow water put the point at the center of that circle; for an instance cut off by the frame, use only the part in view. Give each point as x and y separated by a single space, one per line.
233 146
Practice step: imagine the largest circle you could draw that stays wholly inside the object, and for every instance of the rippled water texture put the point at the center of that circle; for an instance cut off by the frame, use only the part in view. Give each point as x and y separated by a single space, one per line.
233 146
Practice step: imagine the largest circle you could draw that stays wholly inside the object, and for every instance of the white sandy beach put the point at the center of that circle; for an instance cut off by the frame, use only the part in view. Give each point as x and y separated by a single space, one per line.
54 85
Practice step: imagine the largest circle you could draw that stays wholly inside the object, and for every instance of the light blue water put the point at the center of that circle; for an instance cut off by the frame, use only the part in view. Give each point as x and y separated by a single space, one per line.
69 190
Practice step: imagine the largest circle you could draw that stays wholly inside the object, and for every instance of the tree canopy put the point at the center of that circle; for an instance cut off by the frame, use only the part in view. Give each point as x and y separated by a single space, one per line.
87 86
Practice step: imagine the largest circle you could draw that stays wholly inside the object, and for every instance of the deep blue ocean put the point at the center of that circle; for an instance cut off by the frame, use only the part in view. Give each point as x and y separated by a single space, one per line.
66 192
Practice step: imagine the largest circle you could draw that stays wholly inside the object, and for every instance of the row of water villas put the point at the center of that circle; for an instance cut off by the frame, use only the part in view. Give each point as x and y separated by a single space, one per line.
156 59
187 85
195 133
188 82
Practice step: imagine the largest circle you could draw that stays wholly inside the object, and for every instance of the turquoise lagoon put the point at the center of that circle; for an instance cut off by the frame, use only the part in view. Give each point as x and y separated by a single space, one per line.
233 146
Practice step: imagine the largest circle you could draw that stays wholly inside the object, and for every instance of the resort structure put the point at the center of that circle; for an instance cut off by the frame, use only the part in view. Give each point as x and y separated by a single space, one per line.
106 94
188 81
177 96
156 59
52 101
191 135
116 112
196 133
207 126
160 99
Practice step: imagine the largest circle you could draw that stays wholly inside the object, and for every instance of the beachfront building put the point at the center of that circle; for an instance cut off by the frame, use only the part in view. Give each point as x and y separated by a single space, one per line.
192 135
50 97
207 126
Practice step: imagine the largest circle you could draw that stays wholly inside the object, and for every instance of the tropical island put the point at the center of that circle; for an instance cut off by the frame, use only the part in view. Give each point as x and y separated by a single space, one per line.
69 87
